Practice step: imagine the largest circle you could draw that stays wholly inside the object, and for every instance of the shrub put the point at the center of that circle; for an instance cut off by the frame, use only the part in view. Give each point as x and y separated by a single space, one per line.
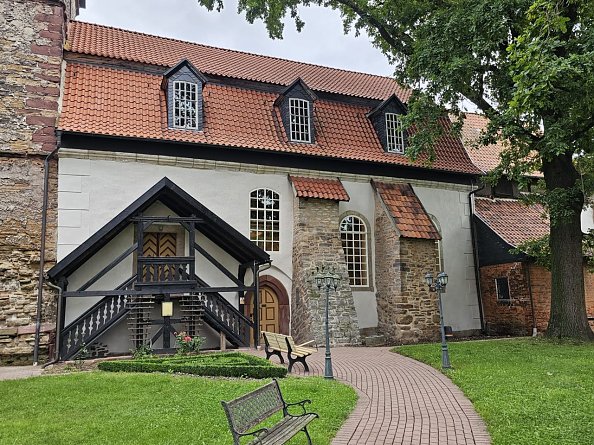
218 365
186 344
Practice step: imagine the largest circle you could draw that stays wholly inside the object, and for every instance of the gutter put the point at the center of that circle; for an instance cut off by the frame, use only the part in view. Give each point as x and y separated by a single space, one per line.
58 339
42 248
477 275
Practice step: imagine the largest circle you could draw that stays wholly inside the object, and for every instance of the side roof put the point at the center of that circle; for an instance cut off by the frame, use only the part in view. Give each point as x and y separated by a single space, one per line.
180 202
120 44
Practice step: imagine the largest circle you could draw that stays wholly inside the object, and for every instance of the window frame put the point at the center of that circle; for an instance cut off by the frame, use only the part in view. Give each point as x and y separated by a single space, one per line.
176 101
262 243
304 105
398 139
504 300
366 237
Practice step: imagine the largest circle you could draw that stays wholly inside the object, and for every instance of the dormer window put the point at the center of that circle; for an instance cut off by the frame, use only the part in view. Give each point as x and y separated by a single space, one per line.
183 89
300 120
386 119
185 105
394 134
296 106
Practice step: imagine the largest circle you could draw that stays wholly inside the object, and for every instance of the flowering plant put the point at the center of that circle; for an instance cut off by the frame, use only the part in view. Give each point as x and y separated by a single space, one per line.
187 344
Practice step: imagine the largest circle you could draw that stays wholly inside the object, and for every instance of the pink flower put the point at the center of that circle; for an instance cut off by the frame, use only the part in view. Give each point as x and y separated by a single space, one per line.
187 338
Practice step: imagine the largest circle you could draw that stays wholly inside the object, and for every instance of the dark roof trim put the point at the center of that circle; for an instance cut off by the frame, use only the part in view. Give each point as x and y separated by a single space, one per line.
180 202
259 157
296 82
385 103
182 63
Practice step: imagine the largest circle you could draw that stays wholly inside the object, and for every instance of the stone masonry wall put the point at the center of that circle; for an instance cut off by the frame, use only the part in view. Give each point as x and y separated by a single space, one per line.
316 242
407 311
515 317
31 36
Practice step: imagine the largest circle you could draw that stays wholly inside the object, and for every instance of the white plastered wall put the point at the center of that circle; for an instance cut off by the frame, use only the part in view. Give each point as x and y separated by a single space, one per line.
94 187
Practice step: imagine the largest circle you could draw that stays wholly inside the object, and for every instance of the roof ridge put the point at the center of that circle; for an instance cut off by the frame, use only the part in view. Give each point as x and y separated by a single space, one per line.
236 51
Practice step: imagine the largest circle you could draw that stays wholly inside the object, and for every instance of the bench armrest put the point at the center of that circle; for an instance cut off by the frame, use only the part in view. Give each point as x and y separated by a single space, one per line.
256 434
308 343
301 404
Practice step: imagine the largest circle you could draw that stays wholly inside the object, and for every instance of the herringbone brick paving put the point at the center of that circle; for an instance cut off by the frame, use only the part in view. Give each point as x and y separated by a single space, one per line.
401 401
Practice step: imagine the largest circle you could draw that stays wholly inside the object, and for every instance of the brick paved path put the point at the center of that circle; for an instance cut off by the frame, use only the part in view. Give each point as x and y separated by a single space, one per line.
401 401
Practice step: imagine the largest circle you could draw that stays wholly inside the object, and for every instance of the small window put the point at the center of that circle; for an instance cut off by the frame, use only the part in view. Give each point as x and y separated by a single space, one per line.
502 289
265 219
394 134
353 233
185 105
299 119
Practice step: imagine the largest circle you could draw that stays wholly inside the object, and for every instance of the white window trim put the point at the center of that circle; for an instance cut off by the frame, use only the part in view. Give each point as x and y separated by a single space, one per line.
363 260
175 86
277 196
395 143
304 105
497 290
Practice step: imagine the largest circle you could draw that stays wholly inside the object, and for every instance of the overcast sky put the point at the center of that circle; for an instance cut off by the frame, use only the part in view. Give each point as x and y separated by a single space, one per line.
321 41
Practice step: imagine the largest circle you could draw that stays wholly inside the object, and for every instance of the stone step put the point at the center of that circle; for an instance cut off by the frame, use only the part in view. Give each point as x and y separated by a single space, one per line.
373 340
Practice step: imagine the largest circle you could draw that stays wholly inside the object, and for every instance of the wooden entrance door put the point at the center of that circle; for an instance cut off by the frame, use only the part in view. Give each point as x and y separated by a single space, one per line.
159 244
269 314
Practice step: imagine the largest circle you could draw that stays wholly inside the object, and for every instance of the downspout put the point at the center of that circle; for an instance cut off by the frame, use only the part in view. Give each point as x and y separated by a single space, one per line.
477 275
534 329
58 339
42 248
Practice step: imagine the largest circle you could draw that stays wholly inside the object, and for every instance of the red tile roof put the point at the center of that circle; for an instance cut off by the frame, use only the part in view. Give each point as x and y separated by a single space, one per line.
405 207
485 157
118 102
104 41
319 188
514 221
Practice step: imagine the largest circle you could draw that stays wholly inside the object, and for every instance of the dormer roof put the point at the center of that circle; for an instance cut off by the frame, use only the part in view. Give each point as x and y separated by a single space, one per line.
181 64
393 99
297 82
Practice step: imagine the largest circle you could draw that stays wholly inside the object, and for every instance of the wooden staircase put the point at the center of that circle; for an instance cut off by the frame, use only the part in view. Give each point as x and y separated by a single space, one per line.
219 314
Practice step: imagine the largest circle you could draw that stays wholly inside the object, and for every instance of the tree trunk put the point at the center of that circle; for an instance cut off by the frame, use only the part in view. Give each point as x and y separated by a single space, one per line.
568 306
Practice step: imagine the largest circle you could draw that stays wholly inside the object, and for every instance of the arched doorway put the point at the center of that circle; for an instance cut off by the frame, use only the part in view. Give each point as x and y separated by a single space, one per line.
274 306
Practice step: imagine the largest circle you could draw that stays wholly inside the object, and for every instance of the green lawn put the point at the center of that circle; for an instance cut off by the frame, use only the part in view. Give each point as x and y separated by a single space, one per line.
530 392
117 408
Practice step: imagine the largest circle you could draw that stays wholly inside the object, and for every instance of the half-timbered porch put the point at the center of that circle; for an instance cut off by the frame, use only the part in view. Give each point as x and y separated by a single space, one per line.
165 263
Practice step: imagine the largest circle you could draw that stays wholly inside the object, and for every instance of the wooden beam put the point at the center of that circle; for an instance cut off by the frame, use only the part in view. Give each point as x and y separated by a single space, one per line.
151 290
218 265
107 268
223 341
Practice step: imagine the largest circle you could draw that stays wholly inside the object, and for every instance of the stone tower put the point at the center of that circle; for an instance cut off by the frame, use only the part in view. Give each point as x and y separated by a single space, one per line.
32 37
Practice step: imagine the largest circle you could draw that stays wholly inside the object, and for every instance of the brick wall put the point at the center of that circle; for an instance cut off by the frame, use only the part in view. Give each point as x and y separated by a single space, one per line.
32 34
515 316
316 241
407 311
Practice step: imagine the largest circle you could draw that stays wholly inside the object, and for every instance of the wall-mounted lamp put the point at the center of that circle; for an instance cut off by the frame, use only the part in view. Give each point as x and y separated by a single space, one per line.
167 309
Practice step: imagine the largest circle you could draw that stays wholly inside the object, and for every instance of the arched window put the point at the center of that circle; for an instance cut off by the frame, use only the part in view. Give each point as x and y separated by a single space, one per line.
264 219
353 233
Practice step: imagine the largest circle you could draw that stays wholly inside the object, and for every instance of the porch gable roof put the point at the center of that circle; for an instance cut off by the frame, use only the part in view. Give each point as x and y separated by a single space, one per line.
180 202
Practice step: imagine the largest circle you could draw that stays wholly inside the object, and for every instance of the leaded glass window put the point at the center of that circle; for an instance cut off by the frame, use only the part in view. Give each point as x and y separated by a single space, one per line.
265 219
394 134
299 119
185 105
353 233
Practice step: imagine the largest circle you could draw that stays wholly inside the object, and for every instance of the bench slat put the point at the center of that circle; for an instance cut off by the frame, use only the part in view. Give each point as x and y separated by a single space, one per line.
285 429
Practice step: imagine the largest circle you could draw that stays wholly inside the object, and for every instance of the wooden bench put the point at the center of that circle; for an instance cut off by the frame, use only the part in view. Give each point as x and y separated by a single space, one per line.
248 411
275 344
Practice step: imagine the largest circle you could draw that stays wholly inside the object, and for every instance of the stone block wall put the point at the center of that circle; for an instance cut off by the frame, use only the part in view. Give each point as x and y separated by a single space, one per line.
515 316
32 35
316 242
407 311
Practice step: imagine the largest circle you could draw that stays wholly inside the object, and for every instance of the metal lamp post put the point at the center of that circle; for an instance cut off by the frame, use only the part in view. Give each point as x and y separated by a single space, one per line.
439 286
326 278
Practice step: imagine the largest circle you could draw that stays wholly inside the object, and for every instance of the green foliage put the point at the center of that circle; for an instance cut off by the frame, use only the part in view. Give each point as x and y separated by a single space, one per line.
81 357
219 364
97 408
528 391
187 344
143 351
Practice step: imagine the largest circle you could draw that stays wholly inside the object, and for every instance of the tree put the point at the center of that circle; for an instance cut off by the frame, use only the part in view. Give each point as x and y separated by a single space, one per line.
527 64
